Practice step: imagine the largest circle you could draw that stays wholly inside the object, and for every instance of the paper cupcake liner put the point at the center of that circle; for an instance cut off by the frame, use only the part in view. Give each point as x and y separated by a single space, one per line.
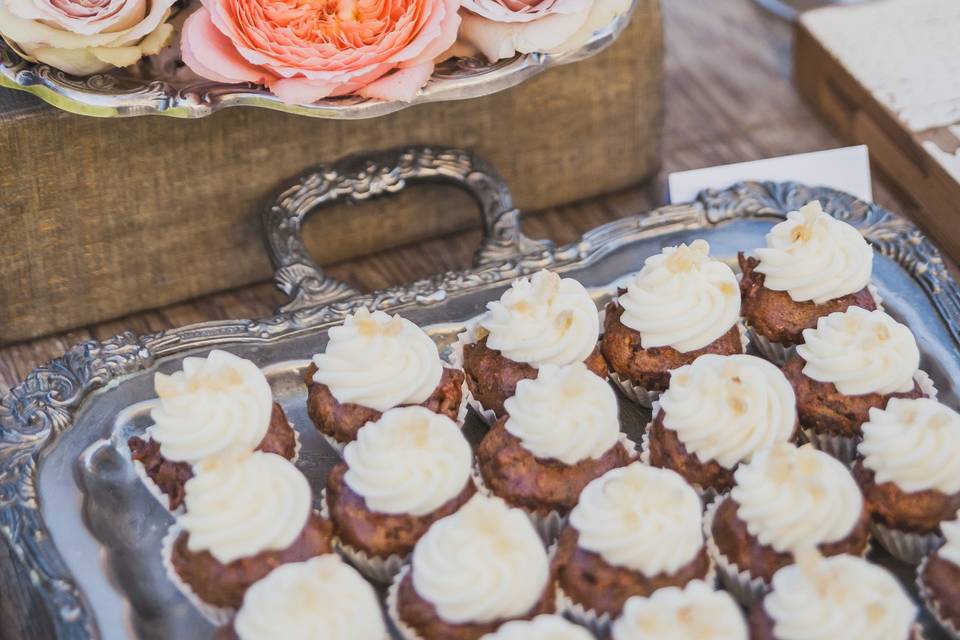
776 352
405 631
905 546
930 602
926 383
635 392
707 494
217 616
746 589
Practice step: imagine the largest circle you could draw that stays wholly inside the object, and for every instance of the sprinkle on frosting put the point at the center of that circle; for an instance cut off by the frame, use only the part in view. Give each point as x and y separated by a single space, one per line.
682 298
544 319
410 461
379 361
696 612
641 518
241 504
485 562
566 413
726 408
815 257
214 404
543 627
841 597
320 598
914 443
861 352
951 547
794 498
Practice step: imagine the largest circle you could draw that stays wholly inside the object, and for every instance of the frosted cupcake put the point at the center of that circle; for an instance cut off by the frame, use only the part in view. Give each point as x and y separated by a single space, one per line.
472 572
403 472
319 598
214 404
852 362
695 612
939 580
561 431
374 362
246 515
681 305
909 472
813 265
841 598
544 319
635 530
786 501
543 627
717 413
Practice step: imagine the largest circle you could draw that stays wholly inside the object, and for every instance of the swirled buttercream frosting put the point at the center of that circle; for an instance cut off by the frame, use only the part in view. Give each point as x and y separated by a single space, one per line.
483 563
320 598
379 361
841 598
544 319
951 547
726 408
694 612
639 517
815 257
213 404
410 461
914 443
792 498
682 298
566 413
543 627
241 504
861 352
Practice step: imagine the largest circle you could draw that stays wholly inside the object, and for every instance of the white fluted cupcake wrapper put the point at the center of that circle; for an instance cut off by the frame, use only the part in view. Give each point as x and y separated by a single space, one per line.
746 589
406 632
930 602
217 616
707 495
906 546
926 383
335 444
875 294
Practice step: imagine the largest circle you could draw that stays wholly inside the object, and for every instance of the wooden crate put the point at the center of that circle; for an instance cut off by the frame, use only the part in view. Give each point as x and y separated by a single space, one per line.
102 218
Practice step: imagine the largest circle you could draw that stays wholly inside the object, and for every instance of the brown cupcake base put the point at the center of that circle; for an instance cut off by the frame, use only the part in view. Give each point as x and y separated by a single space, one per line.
665 450
938 582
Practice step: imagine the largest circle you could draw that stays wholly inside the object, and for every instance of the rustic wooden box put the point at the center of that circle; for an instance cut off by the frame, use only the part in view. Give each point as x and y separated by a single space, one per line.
101 218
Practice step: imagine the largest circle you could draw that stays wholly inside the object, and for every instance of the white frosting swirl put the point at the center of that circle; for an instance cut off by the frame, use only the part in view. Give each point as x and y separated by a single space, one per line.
951 546
696 612
544 319
378 361
792 498
838 598
410 461
861 352
214 404
543 627
240 505
566 413
813 256
320 598
642 518
483 563
682 299
726 408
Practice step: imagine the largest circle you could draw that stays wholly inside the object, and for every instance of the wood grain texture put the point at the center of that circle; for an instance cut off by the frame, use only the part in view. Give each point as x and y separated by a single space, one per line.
728 98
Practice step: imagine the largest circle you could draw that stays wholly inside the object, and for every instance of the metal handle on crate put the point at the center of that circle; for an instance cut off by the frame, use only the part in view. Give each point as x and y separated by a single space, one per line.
364 177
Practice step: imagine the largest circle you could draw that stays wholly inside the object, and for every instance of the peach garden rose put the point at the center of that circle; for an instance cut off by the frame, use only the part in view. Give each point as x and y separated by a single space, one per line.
305 50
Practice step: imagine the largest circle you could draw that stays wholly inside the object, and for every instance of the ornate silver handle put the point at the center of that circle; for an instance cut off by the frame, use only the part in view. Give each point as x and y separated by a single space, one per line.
360 178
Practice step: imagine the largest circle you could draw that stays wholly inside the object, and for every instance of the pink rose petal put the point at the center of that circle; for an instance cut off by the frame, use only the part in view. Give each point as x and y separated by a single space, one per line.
210 54
402 84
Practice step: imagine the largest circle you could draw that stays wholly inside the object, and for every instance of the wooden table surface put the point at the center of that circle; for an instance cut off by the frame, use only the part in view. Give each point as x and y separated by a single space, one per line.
728 98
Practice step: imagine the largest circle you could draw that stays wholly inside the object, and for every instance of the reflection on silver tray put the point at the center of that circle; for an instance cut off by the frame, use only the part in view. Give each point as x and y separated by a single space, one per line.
162 85
88 531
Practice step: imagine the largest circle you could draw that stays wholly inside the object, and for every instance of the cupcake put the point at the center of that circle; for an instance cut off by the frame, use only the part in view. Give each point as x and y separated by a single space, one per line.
786 500
544 319
842 598
813 265
472 572
561 430
635 530
681 305
246 514
694 612
403 473
218 403
852 362
319 598
374 362
939 580
718 412
543 627
909 472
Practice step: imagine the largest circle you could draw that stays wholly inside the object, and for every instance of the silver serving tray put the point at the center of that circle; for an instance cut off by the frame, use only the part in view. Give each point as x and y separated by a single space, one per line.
162 85
88 532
